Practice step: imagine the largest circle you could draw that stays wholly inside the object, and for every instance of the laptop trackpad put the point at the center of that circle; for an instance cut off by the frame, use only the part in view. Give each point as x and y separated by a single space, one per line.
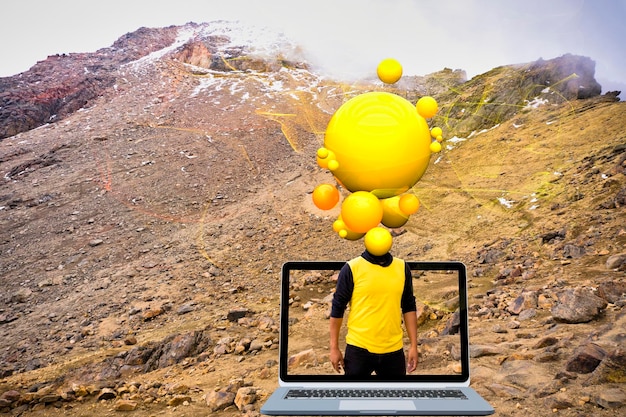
375 405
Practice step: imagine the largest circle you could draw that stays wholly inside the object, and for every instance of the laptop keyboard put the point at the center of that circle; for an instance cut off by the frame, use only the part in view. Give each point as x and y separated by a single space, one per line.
448 394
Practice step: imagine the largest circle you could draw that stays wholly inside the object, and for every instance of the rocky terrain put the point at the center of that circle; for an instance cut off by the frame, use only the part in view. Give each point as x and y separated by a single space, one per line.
152 190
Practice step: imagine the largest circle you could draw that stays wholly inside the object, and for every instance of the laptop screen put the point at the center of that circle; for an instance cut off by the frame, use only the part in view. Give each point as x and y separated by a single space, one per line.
307 289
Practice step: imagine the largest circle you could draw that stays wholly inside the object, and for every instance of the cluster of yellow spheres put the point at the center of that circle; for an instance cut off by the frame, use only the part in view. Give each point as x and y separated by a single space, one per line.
377 145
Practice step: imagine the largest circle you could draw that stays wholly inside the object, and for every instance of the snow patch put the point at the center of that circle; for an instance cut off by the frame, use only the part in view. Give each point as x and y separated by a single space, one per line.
506 203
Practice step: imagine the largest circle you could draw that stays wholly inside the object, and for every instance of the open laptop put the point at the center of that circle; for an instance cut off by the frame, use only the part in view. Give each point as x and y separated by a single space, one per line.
308 384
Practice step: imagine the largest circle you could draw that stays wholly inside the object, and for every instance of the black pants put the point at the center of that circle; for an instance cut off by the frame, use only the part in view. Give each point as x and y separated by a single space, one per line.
360 362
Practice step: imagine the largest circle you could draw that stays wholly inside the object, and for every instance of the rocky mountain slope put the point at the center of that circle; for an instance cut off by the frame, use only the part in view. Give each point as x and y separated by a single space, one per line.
152 190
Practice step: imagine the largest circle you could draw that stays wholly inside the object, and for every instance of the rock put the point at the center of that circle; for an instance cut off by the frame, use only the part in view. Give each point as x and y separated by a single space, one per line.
558 402
234 315
616 261
612 291
245 396
545 342
611 398
219 400
506 391
21 295
10 396
186 308
178 388
527 314
301 358
255 345
178 399
612 369
453 325
125 405
577 306
585 359
527 300
477 351
573 251
107 394
152 313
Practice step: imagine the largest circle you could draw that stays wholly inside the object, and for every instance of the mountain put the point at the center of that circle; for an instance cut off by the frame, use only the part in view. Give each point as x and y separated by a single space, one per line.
151 191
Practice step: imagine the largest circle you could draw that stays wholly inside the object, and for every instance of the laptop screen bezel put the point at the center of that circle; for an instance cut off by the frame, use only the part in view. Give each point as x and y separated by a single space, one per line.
461 378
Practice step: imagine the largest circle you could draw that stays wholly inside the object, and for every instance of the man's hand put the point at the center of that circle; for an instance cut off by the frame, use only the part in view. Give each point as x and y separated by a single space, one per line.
412 359
336 358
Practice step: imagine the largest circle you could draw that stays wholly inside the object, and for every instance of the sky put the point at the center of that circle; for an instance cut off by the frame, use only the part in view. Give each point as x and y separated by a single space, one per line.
345 36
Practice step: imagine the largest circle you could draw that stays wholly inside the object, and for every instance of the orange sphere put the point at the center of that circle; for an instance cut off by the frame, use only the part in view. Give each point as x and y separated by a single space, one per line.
408 204
325 196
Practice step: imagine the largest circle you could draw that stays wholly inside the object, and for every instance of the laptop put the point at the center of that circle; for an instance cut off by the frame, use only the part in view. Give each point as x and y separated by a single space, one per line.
308 384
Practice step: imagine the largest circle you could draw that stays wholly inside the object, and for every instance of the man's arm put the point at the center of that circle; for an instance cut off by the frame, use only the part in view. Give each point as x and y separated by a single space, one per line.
410 321
336 358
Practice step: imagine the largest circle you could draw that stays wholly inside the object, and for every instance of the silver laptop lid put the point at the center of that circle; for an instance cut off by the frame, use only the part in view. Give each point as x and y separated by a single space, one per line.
440 289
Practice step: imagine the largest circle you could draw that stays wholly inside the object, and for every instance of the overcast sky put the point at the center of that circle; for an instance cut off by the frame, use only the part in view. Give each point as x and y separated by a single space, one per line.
345 35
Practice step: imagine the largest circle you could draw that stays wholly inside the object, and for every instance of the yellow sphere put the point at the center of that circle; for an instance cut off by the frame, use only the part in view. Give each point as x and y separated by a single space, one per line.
361 211
389 70
408 204
392 215
436 132
324 157
325 196
435 147
378 241
380 142
427 107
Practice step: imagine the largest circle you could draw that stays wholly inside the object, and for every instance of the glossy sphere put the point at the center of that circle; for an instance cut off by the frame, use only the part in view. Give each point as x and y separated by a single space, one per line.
409 204
389 71
361 211
427 107
380 144
378 241
392 215
325 196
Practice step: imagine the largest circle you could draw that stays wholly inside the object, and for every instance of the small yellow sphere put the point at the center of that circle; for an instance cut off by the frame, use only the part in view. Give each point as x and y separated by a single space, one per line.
361 211
409 204
436 132
435 147
342 230
378 241
389 71
427 107
324 157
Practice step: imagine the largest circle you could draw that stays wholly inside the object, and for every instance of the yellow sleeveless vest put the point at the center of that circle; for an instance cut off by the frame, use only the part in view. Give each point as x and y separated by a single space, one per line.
375 317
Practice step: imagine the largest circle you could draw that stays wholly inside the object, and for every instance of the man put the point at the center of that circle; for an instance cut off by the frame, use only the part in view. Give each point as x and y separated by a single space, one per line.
379 289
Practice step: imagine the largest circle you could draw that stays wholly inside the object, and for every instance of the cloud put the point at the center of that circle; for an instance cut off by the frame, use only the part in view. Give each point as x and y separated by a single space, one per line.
345 36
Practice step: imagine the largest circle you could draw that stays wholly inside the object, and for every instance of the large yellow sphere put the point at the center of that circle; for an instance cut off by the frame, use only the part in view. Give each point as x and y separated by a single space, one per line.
392 215
389 70
361 211
378 241
380 142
